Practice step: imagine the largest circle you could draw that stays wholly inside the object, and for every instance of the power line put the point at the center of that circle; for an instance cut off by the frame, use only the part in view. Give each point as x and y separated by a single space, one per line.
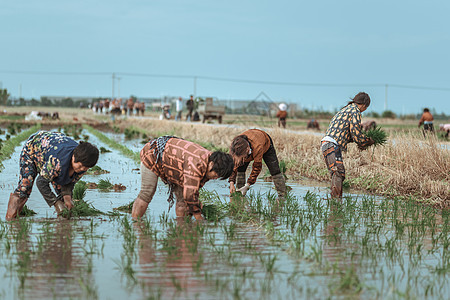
193 77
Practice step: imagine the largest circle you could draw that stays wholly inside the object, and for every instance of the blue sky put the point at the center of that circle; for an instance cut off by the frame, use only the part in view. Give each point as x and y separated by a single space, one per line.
316 54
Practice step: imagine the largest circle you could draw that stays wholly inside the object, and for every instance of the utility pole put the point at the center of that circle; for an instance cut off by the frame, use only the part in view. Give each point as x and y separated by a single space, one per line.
118 87
113 79
385 96
195 87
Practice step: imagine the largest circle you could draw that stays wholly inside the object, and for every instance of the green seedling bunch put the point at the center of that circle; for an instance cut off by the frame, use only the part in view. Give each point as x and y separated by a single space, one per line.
378 135
81 208
79 190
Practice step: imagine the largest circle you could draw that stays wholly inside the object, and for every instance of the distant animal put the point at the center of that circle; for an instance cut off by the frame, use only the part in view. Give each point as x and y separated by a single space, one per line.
367 125
313 124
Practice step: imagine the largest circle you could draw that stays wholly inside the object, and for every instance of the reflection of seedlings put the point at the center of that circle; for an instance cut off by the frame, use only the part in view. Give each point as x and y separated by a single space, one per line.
96 170
125 208
104 150
26 212
79 190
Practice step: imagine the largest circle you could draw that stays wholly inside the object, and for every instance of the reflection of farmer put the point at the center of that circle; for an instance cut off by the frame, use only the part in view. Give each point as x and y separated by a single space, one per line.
58 160
282 115
345 127
254 145
427 121
190 107
185 167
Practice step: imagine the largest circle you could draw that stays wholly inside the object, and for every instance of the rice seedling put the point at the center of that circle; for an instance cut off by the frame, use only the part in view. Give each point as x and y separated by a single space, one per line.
104 185
104 150
127 208
113 144
81 208
27 212
96 170
79 190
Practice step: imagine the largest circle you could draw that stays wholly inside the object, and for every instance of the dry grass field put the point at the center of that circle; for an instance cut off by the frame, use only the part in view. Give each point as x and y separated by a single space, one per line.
409 166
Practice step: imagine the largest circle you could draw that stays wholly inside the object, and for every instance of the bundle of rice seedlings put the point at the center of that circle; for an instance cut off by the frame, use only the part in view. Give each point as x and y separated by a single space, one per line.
96 170
104 150
79 190
125 208
212 212
104 185
378 135
81 208
26 212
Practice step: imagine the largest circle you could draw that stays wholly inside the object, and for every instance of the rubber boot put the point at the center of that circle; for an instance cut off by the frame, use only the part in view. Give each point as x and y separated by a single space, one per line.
336 186
15 205
59 207
280 185
181 209
240 180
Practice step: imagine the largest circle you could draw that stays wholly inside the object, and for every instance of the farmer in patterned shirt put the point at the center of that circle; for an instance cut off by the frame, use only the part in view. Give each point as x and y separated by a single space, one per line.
185 167
345 127
254 145
58 160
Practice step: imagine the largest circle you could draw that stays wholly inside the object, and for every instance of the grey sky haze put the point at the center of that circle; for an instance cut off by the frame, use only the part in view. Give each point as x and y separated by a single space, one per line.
313 53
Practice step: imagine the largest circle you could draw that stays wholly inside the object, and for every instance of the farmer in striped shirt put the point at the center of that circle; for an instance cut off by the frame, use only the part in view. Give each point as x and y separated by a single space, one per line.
185 167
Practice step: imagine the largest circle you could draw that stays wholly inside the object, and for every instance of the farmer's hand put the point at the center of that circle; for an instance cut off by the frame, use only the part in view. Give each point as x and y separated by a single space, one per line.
371 142
198 217
232 188
243 190
68 201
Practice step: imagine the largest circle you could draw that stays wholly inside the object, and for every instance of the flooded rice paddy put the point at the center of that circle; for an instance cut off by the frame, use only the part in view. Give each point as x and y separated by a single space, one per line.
305 247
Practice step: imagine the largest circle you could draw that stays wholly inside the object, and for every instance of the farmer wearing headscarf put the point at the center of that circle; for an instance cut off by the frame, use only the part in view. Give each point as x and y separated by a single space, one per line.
185 167
54 159
282 115
344 128
254 145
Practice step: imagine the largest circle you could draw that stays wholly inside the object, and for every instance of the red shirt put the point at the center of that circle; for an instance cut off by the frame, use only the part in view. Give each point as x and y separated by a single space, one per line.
183 163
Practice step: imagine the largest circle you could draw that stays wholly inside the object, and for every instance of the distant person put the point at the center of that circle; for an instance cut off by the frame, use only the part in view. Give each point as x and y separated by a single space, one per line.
345 127
190 108
445 128
179 108
54 159
282 115
368 125
185 167
313 124
427 121
254 145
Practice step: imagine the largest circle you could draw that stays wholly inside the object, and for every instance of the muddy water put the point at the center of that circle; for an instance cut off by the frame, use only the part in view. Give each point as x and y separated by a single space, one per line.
113 258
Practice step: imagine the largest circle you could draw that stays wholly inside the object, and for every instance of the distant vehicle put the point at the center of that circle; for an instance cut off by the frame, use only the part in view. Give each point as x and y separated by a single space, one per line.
209 111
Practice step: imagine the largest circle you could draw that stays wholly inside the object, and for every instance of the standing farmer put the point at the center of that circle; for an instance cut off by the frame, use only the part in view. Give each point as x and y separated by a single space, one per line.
58 160
345 127
427 121
190 108
185 167
254 145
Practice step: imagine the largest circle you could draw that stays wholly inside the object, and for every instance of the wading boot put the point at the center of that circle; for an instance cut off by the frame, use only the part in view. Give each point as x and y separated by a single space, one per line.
240 180
280 185
59 207
15 205
336 186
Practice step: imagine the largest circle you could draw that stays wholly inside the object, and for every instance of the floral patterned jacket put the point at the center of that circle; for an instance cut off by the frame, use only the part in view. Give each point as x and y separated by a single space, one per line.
52 152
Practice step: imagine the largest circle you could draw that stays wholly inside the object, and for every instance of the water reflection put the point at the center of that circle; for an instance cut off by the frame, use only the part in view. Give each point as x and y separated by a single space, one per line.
47 265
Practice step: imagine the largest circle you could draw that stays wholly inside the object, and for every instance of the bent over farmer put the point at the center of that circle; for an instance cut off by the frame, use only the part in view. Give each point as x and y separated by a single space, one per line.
345 127
254 145
185 167
54 159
